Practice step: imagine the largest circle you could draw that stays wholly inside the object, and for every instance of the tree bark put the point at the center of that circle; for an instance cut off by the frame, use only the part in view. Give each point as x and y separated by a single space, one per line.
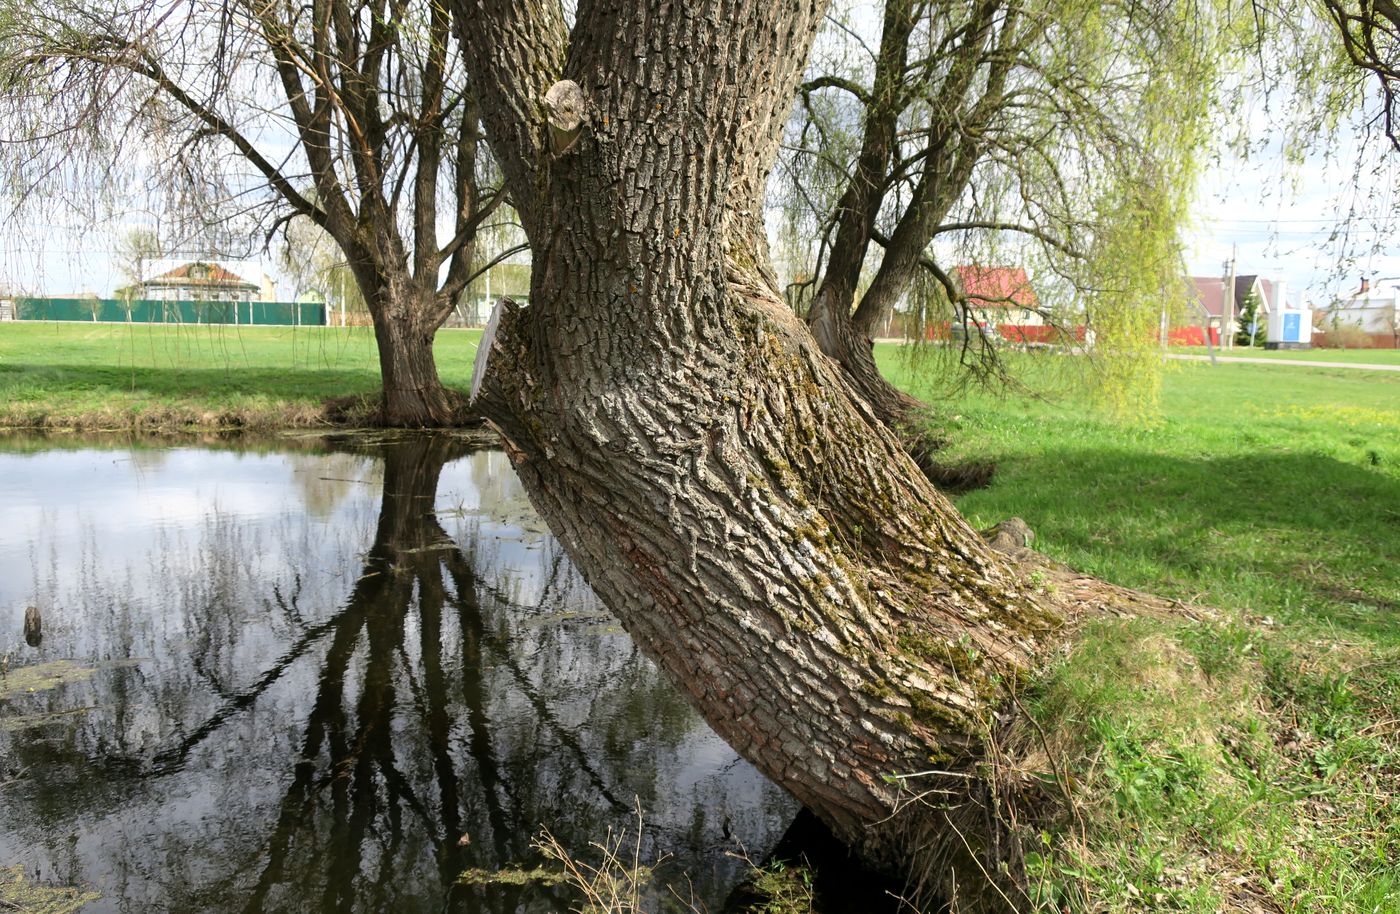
836 333
406 317
413 394
743 510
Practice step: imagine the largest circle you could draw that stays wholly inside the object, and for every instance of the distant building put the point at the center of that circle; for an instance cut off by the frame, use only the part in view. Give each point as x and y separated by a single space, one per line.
1374 309
1217 308
7 301
1001 303
1210 292
504 280
201 281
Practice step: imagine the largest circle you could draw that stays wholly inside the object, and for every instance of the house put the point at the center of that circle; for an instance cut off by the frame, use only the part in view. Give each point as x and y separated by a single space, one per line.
1210 293
507 279
1000 301
1215 297
201 281
192 293
1217 307
1371 309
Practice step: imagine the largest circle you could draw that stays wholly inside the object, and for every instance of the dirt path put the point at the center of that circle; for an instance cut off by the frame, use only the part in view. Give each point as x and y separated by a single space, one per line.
1364 366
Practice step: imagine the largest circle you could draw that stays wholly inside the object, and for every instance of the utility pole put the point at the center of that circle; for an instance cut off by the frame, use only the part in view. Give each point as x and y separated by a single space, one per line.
1227 318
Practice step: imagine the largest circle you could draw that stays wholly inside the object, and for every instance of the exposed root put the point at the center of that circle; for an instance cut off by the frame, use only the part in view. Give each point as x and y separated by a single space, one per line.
923 446
964 833
367 411
1082 596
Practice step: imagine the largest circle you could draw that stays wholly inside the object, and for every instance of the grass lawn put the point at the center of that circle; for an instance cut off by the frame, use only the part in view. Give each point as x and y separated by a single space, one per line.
113 376
1362 356
1249 761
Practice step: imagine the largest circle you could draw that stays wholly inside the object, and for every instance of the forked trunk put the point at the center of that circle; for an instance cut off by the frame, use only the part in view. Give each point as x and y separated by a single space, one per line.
829 316
837 335
413 394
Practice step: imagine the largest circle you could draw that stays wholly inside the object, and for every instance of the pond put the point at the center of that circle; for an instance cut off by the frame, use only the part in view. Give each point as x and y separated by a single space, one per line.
328 674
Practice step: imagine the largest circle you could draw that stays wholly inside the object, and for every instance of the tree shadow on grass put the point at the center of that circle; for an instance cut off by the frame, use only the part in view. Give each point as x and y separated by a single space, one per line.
1307 533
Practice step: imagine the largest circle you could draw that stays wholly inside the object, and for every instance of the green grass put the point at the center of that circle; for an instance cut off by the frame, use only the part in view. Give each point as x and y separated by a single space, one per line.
1249 761
1358 356
159 376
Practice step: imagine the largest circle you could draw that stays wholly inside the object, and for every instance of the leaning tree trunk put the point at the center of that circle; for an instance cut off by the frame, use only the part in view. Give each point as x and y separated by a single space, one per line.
853 349
740 507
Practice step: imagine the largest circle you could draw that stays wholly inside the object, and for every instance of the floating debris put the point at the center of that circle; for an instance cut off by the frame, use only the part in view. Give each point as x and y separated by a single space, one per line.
512 876
18 895
41 677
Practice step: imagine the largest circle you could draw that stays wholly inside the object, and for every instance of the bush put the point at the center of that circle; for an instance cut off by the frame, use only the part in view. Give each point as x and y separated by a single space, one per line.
1342 336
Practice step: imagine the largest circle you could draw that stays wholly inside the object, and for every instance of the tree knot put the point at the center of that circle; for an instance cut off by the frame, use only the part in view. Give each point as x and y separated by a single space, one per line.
564 112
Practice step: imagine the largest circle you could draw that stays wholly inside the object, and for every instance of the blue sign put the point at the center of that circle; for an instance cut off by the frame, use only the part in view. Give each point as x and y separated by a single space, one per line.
1292 326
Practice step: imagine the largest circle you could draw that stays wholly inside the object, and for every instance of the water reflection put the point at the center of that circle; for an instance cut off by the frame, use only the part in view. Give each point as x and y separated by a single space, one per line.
329 679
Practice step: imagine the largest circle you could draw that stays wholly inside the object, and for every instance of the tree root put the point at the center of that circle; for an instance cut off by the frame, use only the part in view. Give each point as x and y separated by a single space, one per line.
367 411
923 446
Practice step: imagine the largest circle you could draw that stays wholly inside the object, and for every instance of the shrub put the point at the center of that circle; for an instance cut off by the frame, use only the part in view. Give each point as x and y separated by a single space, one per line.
1342 336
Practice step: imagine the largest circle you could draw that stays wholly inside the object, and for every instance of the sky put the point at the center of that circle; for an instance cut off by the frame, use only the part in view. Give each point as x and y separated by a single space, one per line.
1319 224
64 257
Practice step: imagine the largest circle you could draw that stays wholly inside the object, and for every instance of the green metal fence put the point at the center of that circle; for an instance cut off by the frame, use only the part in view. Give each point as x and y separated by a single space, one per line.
148 311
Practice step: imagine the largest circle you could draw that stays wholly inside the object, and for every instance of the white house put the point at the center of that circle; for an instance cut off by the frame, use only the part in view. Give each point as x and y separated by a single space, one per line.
202 281
1372 309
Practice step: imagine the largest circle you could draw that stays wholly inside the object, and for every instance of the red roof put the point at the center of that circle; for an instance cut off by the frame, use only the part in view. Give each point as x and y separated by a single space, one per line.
996 287
1210 291
200 274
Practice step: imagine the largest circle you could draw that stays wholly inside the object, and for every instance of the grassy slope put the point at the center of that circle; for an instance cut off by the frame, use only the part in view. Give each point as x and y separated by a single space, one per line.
1249 761
112 376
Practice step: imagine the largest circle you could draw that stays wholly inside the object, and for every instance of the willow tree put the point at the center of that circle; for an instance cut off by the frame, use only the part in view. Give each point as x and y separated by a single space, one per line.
352 114
1369 34
1061 133
729 494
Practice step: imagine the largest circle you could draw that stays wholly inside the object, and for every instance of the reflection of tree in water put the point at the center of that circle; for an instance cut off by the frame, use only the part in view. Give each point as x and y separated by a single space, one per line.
350 769
148 460
355 784
324 480
444 703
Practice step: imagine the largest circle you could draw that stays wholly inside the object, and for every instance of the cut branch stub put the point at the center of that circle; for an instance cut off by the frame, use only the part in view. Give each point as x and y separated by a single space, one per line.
563 106
483 347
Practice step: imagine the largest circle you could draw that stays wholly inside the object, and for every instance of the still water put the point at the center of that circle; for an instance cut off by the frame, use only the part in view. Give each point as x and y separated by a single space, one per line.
328 675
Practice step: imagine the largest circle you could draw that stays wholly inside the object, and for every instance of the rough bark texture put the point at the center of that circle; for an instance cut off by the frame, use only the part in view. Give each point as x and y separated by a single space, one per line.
413 395
754 524
837 335
404 328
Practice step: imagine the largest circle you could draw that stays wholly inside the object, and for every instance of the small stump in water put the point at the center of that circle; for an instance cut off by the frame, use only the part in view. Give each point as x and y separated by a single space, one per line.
33 627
